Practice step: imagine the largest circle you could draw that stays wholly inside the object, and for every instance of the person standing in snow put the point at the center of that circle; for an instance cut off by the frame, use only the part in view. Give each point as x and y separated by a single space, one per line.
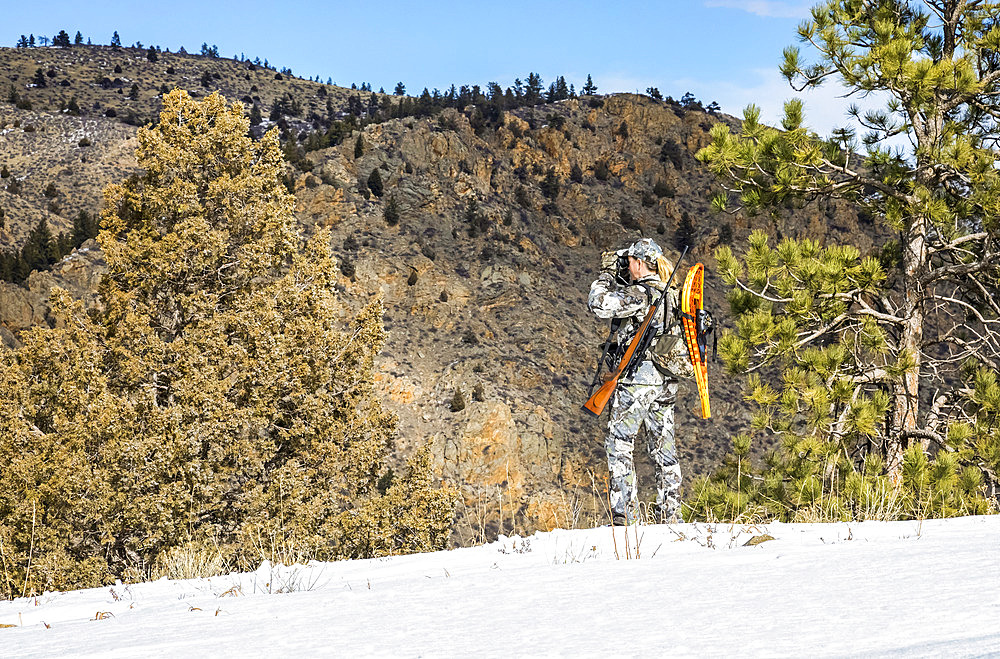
644 398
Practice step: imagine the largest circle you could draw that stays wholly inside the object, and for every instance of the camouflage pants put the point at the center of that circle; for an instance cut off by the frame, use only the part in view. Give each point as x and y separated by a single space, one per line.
633 407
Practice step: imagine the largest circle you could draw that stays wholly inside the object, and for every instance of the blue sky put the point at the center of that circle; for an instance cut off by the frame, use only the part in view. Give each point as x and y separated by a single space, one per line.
720 50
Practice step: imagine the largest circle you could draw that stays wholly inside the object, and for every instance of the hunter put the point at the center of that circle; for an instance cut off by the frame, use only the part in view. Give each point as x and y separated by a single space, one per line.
646 396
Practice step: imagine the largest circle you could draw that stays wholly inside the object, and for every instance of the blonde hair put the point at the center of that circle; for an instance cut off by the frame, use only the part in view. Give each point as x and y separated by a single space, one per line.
663 268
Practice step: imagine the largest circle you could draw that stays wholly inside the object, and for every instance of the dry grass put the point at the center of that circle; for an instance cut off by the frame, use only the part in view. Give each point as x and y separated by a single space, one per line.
191 560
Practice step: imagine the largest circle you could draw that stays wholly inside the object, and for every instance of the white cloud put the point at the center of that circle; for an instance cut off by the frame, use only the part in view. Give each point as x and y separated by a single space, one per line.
824 108
765 8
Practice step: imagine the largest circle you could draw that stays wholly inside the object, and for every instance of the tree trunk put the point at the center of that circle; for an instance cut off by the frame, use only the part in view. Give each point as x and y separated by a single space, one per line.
906 392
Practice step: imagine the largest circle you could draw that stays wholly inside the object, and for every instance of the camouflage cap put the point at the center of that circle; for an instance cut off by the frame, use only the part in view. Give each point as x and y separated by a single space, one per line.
645 250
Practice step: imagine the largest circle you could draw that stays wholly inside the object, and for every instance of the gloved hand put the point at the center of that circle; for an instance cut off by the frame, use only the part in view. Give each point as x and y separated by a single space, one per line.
609 262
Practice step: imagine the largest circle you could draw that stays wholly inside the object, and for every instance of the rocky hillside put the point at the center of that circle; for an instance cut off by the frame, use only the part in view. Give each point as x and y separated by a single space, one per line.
485 274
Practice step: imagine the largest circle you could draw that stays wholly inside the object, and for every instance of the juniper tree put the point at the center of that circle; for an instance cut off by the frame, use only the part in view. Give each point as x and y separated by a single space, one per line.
375 183
391 211
886 355
213 393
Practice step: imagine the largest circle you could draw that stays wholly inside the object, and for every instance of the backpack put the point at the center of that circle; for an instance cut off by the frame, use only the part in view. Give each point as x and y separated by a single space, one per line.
668 352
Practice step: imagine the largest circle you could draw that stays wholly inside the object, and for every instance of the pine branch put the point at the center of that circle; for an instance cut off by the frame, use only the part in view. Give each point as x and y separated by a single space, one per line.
957 271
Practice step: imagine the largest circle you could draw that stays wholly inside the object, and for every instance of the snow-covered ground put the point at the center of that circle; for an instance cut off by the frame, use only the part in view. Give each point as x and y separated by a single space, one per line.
927 588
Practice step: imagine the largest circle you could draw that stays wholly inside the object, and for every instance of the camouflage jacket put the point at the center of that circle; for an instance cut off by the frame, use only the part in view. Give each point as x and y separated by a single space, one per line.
630 304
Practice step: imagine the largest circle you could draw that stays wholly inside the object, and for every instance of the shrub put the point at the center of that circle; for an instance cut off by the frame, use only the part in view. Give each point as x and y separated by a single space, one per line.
685 235
550 184
601 171
375 183
477 221
671 151
458 400
555 121
663 189
725 234
521 197
628 220
391 211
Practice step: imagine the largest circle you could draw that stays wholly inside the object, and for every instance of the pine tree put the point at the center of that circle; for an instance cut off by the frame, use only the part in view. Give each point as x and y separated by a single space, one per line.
214 394
590 88
533 89
39 251
868 388
85 227
116 41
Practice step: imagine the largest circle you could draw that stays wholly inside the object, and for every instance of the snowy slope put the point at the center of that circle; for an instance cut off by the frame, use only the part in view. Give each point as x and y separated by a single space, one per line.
907 588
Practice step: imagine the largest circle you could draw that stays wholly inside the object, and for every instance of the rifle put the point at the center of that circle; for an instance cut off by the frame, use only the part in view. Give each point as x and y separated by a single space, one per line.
633 354
615 324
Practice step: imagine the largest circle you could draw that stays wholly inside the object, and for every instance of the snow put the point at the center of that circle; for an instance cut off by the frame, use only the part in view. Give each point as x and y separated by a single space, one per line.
928 588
